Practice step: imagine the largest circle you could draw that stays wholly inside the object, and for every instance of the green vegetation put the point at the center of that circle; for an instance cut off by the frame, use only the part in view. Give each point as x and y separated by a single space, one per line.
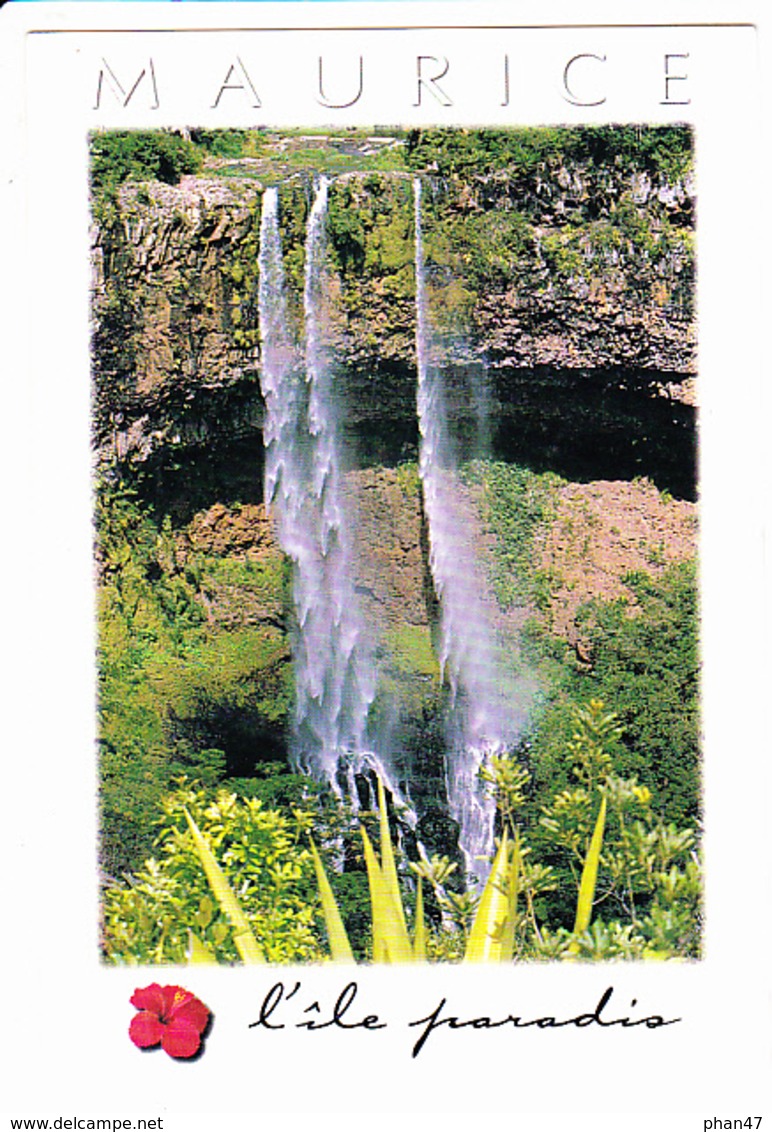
453 152
488 225
180 688
648 891
140 155
195 676
632 881
230 143
150 921
516 504
644 649
485 230
644 658
370 230
163 155
170 682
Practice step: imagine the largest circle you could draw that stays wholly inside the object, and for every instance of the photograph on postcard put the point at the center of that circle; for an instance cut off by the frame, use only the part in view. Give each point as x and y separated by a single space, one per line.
395 503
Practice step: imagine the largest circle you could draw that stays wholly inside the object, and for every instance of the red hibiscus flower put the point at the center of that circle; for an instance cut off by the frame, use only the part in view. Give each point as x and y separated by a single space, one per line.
169 1015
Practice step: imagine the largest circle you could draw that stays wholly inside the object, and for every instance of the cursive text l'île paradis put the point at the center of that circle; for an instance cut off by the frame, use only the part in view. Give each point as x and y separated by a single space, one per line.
276 1014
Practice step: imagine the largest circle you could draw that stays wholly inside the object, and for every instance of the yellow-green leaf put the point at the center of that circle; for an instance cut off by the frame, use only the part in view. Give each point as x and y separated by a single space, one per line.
388 864
198 952
590 874
513 890
390 939
488 938
244 941
340 948
205 912
419 935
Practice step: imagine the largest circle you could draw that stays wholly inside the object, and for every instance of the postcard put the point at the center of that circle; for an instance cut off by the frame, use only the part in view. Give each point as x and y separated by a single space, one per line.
386 582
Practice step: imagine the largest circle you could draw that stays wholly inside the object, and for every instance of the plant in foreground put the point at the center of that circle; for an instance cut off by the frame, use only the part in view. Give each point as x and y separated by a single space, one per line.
235 882
644 874
154 916
492 934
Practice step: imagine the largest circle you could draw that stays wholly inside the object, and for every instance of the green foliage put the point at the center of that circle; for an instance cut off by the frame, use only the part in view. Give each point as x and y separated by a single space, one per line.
167 669
411 652
264 859
516 503
409 479
647 893
485 229
454 152
167 678
631 884
644 656
340 948
114 342
628 236
482 248
647 660
229 143
370 232
294 206
222 670
140 155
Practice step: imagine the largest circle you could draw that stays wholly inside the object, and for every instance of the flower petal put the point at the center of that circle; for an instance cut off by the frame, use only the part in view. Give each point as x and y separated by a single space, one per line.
149 998
174 997
180 1039
145 1029
192 1012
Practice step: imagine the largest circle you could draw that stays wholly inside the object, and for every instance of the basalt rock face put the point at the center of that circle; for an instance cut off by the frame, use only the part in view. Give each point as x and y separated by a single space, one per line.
169 366
569 289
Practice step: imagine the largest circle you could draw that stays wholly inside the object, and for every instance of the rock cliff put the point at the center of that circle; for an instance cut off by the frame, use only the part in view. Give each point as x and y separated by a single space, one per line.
566 285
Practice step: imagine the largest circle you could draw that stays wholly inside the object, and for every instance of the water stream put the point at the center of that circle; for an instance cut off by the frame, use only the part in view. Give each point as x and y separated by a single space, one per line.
305 489
335 677
480 722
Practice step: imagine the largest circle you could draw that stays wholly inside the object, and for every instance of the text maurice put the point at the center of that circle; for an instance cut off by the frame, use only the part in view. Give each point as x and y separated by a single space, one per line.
276 1014
581 79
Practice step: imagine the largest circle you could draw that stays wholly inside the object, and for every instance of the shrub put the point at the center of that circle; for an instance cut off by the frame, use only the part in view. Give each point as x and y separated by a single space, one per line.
648 896
449 151
261 852
176 695
140 155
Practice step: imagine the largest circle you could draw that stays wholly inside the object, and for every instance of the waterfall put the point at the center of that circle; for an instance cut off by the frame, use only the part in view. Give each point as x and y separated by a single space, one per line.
282 388
337 685
334 676
480 720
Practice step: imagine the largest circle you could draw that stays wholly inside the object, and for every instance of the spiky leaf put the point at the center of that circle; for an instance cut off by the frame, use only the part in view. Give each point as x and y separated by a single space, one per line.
419 935
340 948
590 874
488 938
246 944
390 939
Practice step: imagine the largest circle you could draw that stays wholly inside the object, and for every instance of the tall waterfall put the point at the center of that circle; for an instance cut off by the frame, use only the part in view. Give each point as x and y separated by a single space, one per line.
305 488
480 718
333 671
